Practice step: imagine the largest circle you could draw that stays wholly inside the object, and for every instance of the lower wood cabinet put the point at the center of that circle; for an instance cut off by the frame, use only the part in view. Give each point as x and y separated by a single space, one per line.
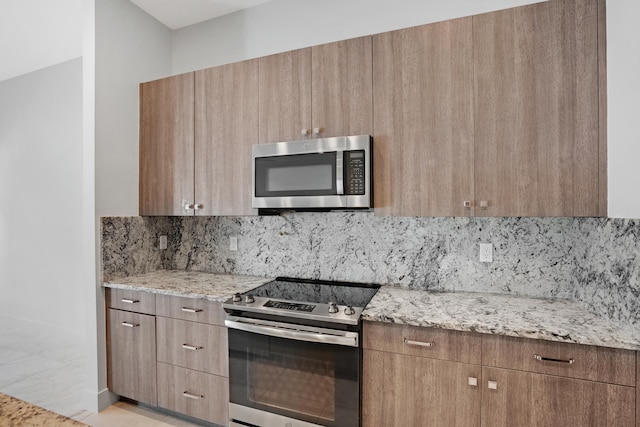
131 370
193 393
403 390
408 381
515 398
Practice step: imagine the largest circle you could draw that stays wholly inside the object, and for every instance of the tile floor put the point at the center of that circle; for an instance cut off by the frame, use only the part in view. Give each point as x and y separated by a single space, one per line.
46 368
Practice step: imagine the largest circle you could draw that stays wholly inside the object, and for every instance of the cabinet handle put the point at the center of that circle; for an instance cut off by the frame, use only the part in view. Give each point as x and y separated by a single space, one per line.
189 206
549 359
130 325
473 381
130 301
466 203
198 206
316 131
304 132
191 347
484 204
492 385
419 343
191 310
192 396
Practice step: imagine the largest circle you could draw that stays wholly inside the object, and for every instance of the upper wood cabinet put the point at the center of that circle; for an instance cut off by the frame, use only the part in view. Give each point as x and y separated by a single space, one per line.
423 119
196 133
166 183
226 120
537 146
326 87
501 110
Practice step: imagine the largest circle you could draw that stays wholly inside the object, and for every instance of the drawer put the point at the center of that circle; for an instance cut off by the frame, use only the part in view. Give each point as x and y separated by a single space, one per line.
420 341
137 301
193 309
593 363
193 345
193 393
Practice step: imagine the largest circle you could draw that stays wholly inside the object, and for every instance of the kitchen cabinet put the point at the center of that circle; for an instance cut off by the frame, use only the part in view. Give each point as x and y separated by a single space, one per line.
167 146
322 91
193 364
430 377
497 114
131 346
538 148
415 377
423 120
226 127
196 133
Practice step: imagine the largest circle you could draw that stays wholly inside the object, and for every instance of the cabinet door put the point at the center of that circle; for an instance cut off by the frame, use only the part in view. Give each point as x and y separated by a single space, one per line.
226 129
528 399
536 110
342 88
285 95
166 146
131 350
400 390
423 120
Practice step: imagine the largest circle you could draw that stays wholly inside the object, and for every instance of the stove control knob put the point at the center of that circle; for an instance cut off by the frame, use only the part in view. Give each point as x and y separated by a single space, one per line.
249 299
237 298
348 310
333 308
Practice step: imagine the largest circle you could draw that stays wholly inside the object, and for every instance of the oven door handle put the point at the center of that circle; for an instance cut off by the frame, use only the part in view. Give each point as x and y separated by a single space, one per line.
295 332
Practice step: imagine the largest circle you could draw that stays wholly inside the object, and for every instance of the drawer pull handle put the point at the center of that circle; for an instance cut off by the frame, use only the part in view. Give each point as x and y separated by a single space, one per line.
191 347
191 310
192 396
130 325
549 359
419 343
130 301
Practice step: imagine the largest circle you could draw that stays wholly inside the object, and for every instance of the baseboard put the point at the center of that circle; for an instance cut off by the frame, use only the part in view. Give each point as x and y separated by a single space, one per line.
96 402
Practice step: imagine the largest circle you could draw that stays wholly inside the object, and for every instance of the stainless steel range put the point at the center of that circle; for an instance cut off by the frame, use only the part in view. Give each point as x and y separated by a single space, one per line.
295 354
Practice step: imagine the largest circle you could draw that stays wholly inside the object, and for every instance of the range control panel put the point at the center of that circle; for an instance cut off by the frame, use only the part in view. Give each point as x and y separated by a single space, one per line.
354 173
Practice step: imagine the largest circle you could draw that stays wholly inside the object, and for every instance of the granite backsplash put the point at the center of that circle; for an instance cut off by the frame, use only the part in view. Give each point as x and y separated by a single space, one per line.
595 261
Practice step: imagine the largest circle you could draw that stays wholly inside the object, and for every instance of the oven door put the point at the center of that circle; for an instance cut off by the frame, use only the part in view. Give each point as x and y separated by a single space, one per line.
291 375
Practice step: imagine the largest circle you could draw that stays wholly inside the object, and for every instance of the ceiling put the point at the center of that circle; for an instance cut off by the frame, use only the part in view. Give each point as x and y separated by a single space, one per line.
35 34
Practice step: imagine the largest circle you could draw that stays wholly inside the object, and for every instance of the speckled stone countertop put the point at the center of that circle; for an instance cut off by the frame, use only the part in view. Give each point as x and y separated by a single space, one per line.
192 284
548 319
18 413
552 320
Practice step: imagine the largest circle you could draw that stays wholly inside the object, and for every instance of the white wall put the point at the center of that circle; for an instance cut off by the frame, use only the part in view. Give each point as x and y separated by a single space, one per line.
623 77
130 47
282 25
41 197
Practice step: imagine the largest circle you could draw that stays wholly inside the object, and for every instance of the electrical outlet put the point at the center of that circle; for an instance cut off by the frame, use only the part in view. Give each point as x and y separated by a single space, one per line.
233 243
163 242
486 252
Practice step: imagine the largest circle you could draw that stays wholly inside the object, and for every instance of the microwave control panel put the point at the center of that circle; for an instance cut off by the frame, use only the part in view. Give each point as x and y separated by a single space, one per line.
354 175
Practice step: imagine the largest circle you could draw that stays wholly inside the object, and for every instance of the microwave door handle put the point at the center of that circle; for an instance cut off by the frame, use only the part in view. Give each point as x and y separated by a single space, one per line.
339 172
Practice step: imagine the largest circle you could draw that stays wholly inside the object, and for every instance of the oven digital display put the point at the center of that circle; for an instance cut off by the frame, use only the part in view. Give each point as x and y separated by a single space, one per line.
290 306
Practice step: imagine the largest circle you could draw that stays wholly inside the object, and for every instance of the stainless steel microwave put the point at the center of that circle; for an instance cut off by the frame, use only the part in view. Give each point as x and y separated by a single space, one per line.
325 173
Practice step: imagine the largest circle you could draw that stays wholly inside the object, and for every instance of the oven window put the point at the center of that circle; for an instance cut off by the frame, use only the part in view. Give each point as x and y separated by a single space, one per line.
302 385
296 175
314 382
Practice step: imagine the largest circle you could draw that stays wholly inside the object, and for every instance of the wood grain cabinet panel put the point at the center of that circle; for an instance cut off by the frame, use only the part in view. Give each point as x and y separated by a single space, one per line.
192 309
166 146
193 393
193 345
124 299
424 120
528 399
131 350
537 146
609 365
284 95
403 390
226 127
341 90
